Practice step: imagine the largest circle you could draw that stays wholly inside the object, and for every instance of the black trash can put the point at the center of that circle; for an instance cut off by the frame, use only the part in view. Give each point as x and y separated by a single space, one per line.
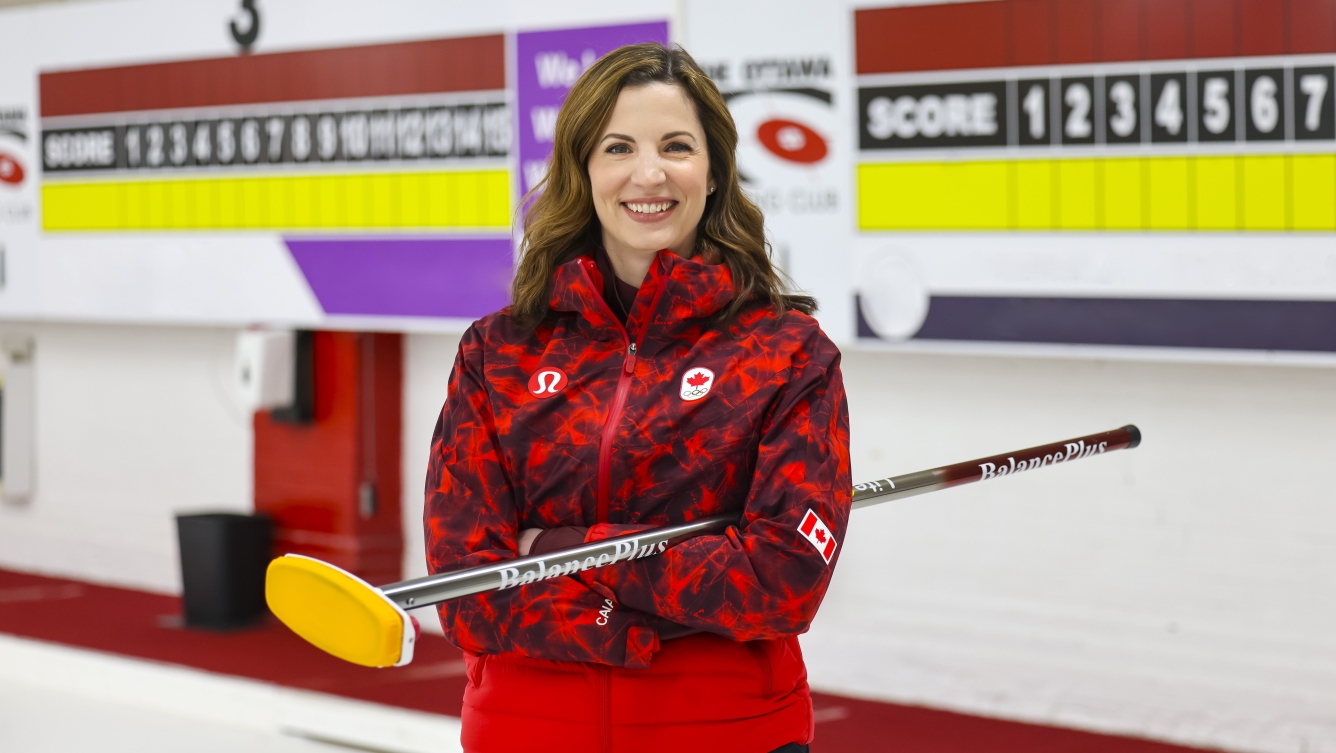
223 560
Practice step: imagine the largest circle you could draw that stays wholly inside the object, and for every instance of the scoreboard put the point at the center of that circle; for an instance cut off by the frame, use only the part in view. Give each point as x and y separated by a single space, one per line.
326 149
343 169
1101 172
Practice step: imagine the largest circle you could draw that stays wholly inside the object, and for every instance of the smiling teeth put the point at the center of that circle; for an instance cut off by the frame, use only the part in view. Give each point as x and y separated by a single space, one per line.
649 208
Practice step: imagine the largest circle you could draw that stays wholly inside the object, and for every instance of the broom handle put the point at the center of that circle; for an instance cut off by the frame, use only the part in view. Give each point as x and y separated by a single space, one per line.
434 589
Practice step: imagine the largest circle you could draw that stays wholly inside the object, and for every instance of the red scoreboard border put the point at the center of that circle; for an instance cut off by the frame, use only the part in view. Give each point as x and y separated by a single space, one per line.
1006 33
425 67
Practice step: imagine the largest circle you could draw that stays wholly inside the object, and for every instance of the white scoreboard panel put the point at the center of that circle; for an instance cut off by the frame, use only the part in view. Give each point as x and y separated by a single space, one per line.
291 162
1101 173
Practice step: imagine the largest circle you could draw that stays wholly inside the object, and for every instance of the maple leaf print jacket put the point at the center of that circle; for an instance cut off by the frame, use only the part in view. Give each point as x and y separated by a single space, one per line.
620 439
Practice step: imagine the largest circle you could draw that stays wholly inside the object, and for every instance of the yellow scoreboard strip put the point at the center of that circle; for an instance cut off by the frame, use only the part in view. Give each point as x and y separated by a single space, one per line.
1230 193
467 199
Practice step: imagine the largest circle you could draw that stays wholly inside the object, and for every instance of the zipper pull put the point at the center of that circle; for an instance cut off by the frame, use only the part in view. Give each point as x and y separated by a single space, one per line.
629 365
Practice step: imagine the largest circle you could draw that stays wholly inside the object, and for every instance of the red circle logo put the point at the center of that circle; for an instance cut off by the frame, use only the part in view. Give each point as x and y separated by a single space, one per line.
792 141
10 170
547 382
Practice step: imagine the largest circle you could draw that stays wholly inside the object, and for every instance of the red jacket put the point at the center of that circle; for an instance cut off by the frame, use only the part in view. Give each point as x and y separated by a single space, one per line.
584 422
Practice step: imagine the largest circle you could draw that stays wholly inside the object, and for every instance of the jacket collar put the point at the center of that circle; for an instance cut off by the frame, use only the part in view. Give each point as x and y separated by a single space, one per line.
675 290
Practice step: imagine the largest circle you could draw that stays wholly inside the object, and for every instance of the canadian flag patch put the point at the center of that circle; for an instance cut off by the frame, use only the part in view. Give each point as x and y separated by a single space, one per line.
696 383
818 533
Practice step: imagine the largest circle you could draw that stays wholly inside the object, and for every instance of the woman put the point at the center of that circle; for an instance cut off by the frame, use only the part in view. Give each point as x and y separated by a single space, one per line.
650 370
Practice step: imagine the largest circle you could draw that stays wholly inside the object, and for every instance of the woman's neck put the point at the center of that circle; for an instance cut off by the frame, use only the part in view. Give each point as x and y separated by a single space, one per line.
630 268
631 265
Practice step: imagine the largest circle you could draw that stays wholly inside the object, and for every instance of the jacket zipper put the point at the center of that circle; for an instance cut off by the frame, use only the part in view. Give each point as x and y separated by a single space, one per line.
614 413
618 401
610 429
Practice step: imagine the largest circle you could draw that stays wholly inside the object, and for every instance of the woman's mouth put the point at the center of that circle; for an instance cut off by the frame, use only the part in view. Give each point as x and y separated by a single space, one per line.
650 210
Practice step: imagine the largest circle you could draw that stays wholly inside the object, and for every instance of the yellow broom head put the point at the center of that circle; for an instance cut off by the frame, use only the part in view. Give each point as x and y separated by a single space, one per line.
338 612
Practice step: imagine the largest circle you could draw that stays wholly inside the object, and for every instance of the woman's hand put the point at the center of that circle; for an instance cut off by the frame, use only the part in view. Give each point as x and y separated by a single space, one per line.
544 540
526 540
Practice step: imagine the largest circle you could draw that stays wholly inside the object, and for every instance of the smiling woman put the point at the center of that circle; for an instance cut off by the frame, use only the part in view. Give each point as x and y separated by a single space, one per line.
649 189
652 369
644 159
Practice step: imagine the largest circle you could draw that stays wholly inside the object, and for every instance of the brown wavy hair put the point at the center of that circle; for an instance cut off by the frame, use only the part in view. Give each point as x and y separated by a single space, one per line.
561 223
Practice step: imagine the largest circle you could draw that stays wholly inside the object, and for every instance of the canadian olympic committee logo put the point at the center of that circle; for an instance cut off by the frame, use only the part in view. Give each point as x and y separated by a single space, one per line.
547 382
696 384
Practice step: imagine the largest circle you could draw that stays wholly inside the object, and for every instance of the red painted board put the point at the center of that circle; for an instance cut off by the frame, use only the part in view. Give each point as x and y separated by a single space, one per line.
1166 31
1312 26
439 65
1263 26
1030 32
954 36
931 37
1214 29
97 90
1119 27
1075 30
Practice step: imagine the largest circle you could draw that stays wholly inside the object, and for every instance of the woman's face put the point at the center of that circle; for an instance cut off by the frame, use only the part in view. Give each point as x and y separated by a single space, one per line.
650 175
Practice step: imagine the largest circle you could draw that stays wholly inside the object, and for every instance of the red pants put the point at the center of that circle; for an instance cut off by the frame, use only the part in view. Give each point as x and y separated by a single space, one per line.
702 693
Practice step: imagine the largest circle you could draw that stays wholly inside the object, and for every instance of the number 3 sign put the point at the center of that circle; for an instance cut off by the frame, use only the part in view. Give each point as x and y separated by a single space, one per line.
246 34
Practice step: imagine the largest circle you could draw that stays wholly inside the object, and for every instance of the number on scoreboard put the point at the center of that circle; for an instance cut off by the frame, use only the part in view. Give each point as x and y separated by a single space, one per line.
1313 97
1035 112
1265 92
1122 107
1215 106
1168 96
1078 110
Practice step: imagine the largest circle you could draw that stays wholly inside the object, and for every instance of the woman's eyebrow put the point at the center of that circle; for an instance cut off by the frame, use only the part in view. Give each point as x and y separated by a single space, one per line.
623 137
675 134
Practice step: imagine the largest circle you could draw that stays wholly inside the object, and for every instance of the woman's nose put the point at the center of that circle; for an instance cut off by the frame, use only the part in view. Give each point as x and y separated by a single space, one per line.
648 170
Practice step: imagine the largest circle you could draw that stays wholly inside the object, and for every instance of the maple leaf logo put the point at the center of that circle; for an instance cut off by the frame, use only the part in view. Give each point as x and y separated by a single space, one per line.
820 535
696 384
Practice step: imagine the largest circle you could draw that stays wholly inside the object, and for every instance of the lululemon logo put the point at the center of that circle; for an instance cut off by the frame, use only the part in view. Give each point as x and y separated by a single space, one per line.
547 382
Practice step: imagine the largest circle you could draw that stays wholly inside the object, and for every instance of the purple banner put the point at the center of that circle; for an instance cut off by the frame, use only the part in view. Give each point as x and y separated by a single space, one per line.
437 277
548 64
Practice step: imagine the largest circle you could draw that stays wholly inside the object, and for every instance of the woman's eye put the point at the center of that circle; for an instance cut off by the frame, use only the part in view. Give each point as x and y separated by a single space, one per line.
619 149
677 146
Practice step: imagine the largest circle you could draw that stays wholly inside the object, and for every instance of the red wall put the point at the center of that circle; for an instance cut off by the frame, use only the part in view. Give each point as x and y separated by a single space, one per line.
308 476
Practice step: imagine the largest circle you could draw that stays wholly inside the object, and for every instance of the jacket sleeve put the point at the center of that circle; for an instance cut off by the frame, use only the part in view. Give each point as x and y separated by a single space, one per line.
471 519
765 578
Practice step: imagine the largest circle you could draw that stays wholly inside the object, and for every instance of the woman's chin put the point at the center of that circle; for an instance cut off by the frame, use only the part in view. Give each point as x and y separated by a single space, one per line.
642 243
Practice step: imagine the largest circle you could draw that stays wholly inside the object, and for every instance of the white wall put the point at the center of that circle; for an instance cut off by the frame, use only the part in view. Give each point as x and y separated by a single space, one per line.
427 362
1185 590
133 424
